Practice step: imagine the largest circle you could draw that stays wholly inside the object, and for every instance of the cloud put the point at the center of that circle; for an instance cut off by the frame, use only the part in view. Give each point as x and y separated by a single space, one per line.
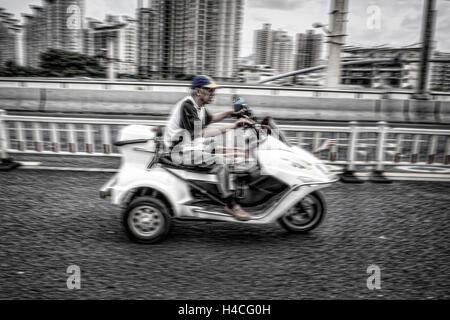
99 8
443 27
411 22
94 8
18 7
261 18
399 23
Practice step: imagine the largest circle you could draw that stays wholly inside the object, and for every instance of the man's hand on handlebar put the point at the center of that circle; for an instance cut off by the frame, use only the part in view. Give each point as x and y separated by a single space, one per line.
244 122
239 113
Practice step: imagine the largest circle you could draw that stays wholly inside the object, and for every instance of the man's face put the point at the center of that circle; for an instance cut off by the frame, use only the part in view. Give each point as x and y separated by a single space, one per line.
207 95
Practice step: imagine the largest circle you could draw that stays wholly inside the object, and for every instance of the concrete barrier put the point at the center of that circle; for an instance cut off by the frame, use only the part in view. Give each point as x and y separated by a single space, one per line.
122 102
390 110
20 98
443 112
279 107
309 108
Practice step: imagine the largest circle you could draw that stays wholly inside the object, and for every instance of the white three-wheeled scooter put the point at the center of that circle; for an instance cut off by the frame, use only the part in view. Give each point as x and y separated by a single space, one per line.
282 185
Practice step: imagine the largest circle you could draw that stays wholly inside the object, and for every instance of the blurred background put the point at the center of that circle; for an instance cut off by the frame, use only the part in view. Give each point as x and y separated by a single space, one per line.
373 75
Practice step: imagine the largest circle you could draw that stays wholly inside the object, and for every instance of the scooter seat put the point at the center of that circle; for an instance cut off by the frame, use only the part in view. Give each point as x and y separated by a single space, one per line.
167 162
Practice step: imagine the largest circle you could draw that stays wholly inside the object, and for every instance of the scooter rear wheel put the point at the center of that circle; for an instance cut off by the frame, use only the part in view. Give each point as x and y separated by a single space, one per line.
146 220
306 215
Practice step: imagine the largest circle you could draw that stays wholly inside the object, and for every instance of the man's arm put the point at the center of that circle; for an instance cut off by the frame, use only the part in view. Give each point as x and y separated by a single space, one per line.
212 132
220 116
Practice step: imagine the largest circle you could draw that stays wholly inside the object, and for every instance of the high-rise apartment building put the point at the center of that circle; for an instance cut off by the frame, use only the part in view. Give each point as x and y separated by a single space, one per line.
281 55
117 34
10 35
262 45
57 24
88 36
396 73
440 72
148 44
308 49
273 48
178 37
171 26
223 27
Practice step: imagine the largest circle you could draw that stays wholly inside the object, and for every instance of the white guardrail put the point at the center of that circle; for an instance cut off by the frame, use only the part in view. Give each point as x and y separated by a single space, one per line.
378 146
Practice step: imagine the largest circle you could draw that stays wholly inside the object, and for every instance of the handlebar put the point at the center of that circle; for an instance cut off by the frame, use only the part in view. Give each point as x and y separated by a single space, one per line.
246 125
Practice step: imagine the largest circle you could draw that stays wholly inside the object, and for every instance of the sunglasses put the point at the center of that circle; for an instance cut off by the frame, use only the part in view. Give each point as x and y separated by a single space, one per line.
210 90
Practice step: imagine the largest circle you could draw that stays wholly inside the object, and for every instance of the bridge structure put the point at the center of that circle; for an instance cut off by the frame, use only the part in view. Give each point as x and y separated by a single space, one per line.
346 63
158 98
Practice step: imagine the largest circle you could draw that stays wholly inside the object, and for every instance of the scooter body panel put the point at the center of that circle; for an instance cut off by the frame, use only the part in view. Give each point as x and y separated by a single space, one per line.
156 178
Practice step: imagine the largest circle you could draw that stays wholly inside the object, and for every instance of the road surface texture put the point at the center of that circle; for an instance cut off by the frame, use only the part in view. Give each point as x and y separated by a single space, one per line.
51 220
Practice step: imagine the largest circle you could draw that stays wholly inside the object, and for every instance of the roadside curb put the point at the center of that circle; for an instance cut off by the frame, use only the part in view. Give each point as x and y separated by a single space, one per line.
68 169
8 165
362 177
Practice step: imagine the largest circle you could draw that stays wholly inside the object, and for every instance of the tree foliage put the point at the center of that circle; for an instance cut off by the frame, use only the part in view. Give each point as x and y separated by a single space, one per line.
11 69
58 63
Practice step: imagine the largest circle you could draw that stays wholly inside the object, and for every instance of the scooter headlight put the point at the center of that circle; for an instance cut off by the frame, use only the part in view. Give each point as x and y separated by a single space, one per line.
326 171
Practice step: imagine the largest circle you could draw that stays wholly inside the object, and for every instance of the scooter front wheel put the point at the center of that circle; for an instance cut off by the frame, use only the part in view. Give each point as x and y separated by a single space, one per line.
306 215
146 220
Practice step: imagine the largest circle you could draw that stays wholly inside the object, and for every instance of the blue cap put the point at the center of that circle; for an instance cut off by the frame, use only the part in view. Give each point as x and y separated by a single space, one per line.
204 82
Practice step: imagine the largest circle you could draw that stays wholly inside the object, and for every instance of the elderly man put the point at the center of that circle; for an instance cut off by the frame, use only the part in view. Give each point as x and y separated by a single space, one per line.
188 125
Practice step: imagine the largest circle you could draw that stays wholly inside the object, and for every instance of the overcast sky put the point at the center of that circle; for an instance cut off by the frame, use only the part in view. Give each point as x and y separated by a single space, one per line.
399 23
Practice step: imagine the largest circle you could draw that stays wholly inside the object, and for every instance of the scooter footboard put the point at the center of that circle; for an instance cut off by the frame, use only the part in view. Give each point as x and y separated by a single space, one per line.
280 208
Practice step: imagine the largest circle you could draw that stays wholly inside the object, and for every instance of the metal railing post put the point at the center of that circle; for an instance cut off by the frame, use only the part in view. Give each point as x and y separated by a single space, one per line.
334 149
54 137
349 174
398 149
89 138
377 174
432 149
351 155
3 143
316 144
6 163
38 144
415 148
106 135
447 152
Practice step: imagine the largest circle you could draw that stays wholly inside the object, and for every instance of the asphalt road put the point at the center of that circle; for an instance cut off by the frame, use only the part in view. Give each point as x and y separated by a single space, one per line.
51 220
